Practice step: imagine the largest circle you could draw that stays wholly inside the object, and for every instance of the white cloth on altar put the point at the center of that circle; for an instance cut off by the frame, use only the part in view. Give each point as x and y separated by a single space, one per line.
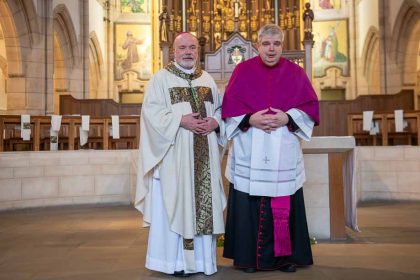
84 129
25 127
85 122
56 122
367 120
165 248
399 120
53 140
115 126
83 136
55 128
274 165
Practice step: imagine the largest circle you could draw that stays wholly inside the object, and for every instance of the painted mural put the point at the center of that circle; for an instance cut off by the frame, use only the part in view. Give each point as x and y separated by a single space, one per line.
133 50
331 46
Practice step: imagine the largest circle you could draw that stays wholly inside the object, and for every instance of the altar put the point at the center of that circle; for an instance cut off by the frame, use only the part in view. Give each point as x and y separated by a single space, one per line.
330 193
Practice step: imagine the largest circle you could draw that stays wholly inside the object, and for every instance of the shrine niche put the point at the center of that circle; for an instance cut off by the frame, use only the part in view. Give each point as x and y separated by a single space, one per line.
216 20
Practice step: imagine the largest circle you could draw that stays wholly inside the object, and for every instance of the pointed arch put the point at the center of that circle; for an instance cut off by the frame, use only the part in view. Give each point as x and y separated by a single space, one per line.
407 19
12 39
3 79
64 28
95 64
411 56
370 58
3 65
405 42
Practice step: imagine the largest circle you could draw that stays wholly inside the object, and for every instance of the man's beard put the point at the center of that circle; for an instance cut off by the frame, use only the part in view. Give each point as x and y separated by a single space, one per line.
187 64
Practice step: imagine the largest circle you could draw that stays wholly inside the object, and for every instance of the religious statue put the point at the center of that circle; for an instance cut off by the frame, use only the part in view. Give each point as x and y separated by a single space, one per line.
192 7
237 8
163 32
268 5
308 17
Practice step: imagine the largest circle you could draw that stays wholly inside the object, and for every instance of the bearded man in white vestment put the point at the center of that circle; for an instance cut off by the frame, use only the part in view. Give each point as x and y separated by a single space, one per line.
179 183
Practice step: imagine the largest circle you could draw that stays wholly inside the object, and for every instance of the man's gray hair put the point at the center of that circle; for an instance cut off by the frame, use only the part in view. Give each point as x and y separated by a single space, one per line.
270 29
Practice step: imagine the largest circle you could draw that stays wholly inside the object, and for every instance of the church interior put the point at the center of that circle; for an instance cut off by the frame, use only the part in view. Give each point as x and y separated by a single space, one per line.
73 75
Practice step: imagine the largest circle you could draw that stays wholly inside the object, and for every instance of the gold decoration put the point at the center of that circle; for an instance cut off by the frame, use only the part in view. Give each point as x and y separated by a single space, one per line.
178 25
206 24
282 21
171 23
243 25
289 20
193 23
297 17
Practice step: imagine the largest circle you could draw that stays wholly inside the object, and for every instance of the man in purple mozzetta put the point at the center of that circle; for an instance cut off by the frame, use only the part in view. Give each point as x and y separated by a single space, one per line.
268 106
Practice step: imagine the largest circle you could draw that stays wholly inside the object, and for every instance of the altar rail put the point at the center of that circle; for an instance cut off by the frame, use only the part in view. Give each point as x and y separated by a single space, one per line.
68 138
387 135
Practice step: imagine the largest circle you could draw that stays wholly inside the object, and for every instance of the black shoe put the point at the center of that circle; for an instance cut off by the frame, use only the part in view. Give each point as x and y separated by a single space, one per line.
181 274
250 270
288 268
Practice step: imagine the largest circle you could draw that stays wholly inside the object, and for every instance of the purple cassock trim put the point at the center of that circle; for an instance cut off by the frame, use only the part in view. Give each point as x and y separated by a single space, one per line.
280 207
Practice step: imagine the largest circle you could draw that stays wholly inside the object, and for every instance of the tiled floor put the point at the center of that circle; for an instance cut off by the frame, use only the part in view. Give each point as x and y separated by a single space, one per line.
108 243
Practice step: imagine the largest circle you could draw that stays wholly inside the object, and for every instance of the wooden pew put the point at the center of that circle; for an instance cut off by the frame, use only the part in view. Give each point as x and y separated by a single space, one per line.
69 138
387 134
411 133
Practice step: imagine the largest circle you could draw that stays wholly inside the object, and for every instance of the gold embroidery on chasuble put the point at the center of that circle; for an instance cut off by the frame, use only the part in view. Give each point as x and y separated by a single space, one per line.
188 244
196 96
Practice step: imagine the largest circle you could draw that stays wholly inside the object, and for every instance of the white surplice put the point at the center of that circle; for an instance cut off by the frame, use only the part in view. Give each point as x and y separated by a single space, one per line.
274 164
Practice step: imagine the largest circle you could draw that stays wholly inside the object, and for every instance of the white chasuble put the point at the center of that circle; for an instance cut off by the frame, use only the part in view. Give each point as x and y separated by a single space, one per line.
170 149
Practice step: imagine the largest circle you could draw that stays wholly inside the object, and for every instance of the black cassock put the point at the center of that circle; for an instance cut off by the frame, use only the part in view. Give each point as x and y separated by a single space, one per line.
249 237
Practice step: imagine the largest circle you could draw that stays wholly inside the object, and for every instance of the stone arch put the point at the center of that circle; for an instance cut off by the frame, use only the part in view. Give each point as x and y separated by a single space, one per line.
95 65
370 58
66 52
411 56
61 81
3 65
64 28
3 79
405 41
407 18
12 37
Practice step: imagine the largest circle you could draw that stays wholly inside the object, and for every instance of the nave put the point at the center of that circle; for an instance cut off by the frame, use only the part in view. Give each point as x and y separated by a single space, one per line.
106 243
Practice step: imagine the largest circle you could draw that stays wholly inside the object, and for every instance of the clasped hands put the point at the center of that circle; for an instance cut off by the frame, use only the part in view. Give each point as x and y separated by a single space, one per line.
269 122
194 123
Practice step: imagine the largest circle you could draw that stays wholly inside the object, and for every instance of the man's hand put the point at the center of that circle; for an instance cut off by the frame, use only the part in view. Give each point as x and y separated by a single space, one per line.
277 120
209 125
193 123
261 120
